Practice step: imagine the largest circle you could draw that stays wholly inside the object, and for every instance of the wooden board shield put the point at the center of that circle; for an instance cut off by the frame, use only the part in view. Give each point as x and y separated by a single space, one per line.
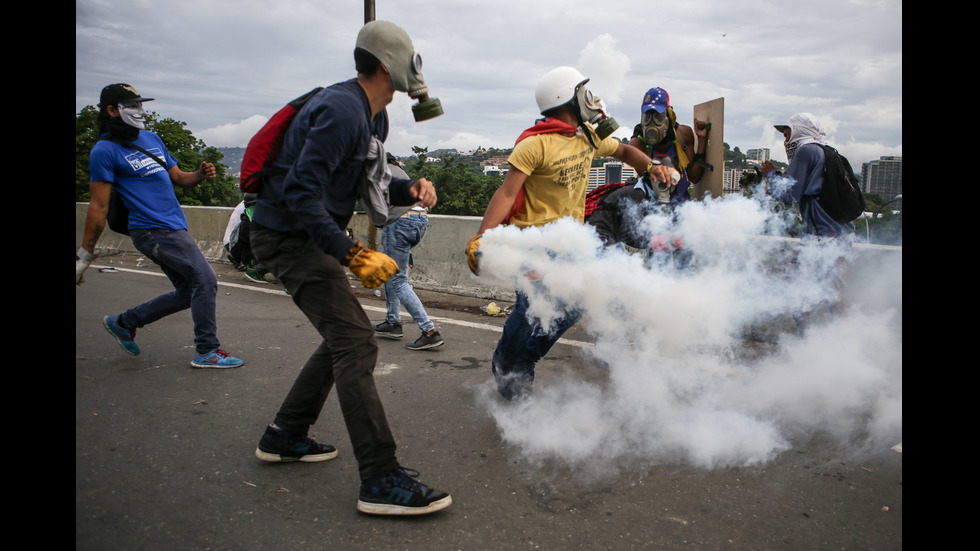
712 181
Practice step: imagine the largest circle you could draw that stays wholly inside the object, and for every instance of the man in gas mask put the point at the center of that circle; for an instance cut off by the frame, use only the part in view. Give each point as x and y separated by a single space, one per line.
547 180
298 234
135 164
659 135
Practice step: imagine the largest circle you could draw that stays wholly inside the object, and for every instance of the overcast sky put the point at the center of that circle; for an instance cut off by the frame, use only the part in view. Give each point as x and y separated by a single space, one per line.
224 66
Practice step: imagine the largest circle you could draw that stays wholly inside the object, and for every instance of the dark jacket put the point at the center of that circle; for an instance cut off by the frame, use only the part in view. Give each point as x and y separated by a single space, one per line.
321 166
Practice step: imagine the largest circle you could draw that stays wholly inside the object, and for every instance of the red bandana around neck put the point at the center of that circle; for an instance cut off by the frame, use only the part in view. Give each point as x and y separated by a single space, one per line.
547 125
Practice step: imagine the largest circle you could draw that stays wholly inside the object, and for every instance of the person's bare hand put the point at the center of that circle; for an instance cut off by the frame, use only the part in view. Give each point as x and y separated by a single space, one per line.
424 192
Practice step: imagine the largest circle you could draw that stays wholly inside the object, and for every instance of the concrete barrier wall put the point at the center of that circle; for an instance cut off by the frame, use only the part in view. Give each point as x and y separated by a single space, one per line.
440 259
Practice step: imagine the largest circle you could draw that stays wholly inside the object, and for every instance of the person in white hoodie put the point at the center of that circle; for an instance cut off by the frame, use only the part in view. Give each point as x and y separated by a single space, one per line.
826 242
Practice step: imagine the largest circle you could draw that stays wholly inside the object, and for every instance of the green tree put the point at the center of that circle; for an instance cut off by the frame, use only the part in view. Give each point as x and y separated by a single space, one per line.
734 158
85 137
421 153
221 191
461 190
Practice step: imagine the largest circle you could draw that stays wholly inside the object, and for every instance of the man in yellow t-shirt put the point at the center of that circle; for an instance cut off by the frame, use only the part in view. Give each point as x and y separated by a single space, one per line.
547 181
556 168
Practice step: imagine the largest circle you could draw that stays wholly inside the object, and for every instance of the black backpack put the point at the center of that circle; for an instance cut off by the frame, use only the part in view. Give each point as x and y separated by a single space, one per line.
841 195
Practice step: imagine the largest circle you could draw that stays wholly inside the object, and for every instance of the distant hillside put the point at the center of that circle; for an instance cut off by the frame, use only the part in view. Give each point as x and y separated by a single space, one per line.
234 155
233 158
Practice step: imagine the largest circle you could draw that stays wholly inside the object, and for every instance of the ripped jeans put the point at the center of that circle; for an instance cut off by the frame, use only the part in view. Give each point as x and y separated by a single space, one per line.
397 240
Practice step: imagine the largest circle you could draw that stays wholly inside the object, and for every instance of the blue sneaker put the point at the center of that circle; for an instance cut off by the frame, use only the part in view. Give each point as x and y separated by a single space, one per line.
280 445
398 493
125 337
216 359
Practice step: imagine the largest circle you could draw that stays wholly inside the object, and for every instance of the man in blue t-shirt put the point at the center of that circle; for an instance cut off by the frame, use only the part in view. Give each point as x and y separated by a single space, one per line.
136 164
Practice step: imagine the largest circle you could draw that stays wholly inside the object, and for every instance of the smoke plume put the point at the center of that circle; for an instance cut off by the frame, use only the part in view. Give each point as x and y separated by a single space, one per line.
704 367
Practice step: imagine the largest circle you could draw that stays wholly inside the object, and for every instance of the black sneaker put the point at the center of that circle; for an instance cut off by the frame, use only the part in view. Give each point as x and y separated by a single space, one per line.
398 493
388 330
426 340
282 446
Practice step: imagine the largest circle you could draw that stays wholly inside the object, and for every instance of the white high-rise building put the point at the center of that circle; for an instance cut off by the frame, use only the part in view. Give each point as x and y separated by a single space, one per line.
610 172
761 155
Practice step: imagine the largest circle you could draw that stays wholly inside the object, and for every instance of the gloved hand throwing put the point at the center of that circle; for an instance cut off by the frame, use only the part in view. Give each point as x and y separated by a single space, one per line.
473 254
82 260
371 267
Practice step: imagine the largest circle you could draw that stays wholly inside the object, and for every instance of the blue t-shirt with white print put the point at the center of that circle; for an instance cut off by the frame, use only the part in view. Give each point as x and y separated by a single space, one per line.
143 184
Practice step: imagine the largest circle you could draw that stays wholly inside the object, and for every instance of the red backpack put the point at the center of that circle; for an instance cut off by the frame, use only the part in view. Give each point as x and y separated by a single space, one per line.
594 197
265 144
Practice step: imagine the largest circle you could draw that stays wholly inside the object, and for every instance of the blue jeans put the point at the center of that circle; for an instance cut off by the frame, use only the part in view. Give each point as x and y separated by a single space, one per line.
193 278
522 344
397 240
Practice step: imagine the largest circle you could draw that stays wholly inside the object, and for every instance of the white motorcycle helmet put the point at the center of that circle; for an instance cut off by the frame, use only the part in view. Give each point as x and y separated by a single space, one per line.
558 87
566 84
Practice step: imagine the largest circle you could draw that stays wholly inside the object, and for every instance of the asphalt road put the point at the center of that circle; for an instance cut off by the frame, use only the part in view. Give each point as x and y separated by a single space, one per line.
164 453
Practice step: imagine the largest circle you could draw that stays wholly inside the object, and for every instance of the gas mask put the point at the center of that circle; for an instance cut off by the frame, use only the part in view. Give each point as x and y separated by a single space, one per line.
133 114
655 126
593 110
393 47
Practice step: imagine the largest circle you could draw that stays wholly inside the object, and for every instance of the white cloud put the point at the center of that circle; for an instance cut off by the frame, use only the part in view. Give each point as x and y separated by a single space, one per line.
219 63
233 134
603 62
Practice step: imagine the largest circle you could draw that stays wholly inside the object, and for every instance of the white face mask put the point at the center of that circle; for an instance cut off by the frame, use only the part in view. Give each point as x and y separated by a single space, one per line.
133 114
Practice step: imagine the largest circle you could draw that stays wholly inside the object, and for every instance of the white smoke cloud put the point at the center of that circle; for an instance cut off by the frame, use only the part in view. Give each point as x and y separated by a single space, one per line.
606 65
671 378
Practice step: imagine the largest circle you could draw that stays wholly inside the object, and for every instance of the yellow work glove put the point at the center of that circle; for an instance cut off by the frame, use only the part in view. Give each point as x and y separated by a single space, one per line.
371 267
473 254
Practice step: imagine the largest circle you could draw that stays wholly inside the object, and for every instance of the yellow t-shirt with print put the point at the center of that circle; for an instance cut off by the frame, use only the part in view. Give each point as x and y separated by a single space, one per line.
557 168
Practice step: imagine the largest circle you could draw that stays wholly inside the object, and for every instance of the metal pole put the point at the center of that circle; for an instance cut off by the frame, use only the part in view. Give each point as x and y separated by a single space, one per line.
368 11
372 231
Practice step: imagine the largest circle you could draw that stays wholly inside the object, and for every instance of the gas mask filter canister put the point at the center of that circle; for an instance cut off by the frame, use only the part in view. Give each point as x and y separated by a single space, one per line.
593 110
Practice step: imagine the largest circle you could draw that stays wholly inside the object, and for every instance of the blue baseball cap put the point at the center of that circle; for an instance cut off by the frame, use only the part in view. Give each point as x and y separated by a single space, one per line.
656 99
